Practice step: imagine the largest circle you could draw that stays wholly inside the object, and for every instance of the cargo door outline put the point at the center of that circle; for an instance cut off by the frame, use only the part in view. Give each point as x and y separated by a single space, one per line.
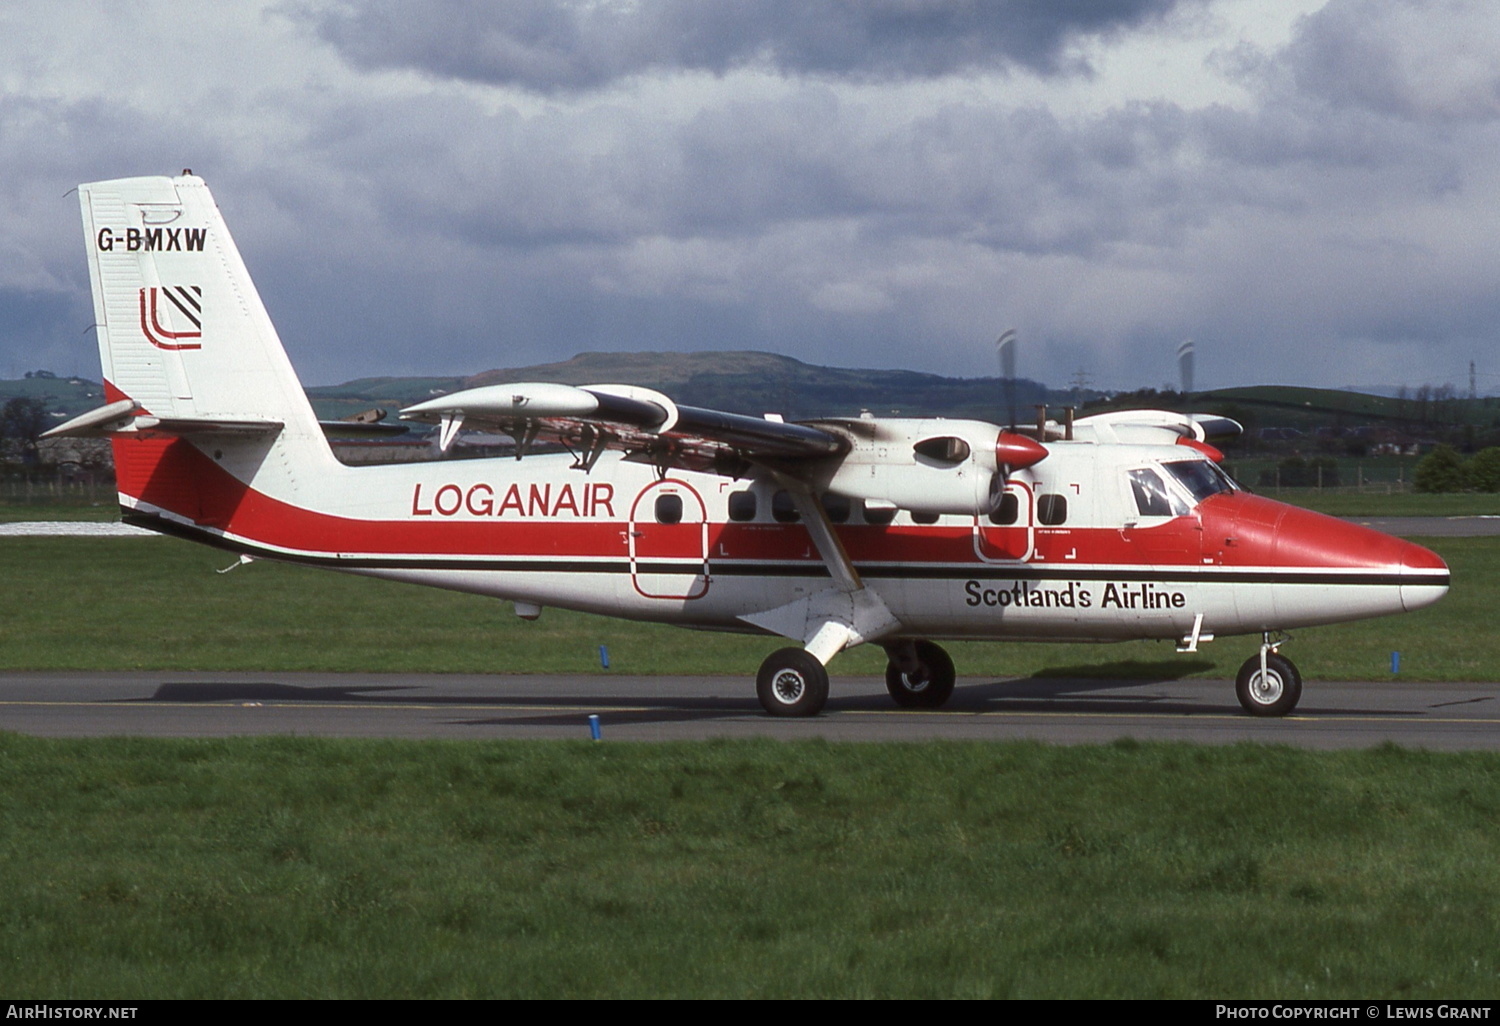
669 560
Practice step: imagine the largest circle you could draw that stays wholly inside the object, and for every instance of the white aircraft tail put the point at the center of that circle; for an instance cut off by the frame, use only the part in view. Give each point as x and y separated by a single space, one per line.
182 331
200 396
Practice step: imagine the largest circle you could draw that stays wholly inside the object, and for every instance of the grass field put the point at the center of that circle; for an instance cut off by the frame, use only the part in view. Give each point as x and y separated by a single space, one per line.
282 867
69 509
305 868
156 603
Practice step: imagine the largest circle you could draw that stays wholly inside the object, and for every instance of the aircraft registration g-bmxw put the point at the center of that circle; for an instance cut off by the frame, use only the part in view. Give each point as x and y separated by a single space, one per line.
830 533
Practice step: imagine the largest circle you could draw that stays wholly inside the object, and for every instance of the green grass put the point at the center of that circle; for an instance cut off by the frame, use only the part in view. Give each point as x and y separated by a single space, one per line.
104 510
156 603
378 869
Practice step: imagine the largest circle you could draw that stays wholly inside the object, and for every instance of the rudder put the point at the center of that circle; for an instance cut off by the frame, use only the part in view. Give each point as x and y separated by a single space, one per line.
182 330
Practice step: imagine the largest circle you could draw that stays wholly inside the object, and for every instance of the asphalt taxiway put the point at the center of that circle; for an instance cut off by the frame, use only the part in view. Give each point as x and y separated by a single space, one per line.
1059 711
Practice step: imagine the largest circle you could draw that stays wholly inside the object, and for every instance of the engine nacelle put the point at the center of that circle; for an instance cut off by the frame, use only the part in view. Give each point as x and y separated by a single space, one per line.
929 466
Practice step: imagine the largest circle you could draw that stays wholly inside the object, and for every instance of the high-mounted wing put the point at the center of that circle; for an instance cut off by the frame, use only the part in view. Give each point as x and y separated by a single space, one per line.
1153 427
645 424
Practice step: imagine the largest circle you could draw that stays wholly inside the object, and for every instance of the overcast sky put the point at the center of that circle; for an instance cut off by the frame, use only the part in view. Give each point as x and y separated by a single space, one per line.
1310 190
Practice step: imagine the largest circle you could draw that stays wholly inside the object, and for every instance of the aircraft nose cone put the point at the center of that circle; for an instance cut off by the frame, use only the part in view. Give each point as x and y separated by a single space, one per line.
1427 575
1304 536
1383 574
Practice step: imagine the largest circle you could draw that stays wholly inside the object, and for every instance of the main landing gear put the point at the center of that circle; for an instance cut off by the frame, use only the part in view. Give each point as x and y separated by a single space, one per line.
1268 684
920 674
792 682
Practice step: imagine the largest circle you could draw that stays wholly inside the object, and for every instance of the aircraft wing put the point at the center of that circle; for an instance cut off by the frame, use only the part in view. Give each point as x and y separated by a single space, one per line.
1154 427
645 424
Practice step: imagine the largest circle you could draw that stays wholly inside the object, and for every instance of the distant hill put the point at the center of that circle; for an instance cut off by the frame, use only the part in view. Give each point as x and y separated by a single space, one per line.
1423 412
755 383
63 396
739 382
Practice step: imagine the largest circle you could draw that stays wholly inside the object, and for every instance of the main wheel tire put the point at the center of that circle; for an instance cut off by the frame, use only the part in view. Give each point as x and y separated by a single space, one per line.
1275 694
792 682
930 686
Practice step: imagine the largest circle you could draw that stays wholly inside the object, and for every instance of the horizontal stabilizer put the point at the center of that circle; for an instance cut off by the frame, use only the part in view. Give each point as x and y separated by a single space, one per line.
126 416
354 429
195 426
98 422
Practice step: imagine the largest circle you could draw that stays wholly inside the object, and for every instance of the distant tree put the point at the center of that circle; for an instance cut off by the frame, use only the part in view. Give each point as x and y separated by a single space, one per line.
23 419
1297 472
1441 470
1483 470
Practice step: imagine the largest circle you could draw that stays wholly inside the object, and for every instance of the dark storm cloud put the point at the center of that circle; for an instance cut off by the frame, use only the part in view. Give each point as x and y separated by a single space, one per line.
1022 180
47 146
1334 217
1393 58
547 45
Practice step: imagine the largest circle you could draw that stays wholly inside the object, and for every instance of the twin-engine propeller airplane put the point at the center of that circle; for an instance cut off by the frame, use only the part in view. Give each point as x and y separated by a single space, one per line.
831 533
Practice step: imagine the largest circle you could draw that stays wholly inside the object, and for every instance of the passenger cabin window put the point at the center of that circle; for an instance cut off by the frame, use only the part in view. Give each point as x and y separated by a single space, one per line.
1052 509
783 508
924 518
742 506
1008 512
1152 497
669 509
878 516
837 507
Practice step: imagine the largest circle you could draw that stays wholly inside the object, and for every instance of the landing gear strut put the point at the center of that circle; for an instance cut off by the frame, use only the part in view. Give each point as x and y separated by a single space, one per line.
1268 684
920 675
792 682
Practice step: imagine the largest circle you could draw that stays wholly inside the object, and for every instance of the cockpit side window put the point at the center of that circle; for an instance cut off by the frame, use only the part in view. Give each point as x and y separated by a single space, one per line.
1200 477
1152 497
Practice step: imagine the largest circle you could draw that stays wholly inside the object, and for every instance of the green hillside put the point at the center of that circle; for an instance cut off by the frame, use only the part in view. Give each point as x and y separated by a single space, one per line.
756 383
740 382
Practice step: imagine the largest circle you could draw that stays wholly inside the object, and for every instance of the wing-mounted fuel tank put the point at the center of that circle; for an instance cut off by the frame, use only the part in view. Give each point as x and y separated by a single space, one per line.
926 466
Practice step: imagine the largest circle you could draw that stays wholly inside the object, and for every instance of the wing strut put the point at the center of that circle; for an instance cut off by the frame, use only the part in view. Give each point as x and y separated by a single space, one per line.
815 517
838 617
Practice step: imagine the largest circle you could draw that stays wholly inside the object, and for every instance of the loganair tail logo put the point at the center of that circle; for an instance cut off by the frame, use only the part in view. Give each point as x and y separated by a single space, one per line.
172 316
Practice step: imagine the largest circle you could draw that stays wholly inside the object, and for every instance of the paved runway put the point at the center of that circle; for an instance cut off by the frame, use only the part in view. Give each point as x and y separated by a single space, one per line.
1433 527
1332 715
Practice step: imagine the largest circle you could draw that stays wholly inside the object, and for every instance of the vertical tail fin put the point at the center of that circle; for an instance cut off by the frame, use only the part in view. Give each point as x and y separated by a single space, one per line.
215 409
181 328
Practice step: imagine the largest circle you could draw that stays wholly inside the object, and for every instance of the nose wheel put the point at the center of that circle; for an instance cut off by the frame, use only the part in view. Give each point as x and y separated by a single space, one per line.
1269 690
920 675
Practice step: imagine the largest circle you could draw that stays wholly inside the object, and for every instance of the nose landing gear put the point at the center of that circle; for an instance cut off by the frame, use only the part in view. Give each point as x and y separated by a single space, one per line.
1268 684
